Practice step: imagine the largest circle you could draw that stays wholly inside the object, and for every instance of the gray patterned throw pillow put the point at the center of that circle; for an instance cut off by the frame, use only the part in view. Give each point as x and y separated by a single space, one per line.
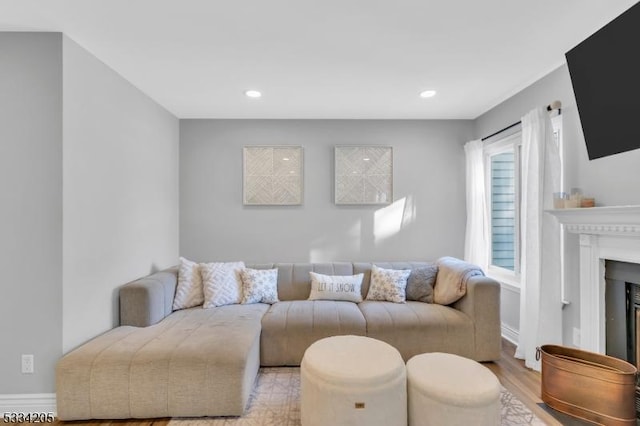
420 283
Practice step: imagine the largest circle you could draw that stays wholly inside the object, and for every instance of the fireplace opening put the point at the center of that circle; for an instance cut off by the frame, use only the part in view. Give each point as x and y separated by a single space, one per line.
622 310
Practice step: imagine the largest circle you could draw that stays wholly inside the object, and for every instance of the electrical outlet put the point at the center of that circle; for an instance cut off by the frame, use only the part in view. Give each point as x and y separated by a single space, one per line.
576 337
27 364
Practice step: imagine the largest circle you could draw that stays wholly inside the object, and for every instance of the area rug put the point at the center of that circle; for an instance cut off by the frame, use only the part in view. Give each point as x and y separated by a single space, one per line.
275 401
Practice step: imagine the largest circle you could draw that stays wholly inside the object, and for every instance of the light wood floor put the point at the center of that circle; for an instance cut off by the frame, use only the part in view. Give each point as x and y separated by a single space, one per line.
519 380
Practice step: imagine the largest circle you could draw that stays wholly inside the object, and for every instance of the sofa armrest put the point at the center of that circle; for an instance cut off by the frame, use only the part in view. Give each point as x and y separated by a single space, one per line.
148 300
482 304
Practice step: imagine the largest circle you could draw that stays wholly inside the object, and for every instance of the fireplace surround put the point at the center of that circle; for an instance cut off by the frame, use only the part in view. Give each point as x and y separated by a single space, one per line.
605 233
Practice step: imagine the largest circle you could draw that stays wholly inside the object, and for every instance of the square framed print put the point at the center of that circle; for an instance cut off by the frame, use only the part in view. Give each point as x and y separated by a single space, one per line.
363 174
272 175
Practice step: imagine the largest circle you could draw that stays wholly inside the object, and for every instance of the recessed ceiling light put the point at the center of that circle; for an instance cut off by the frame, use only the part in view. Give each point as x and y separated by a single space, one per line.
252 93
427 93
366 159
285 159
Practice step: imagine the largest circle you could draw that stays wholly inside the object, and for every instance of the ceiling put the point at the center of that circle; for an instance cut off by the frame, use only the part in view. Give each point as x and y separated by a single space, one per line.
323 58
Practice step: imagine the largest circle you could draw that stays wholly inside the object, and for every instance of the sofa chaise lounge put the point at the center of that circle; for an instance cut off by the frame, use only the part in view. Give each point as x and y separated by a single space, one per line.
203 362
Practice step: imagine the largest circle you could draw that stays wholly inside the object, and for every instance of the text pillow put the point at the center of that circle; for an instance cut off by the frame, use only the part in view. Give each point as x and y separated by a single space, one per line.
388 284
221 283
189 290
420 283
259 285
336 287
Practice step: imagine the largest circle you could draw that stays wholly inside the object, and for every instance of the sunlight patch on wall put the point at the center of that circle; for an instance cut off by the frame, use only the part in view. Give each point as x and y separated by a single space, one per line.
409 213
388 221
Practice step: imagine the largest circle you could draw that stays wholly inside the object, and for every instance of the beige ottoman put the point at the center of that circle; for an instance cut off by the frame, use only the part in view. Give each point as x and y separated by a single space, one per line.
445 389
353 380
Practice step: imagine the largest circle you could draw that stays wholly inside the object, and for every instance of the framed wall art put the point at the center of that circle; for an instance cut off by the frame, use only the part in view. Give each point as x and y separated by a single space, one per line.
363 174
272 175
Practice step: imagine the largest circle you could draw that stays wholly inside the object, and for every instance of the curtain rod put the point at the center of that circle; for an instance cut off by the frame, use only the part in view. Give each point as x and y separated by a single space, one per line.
551 107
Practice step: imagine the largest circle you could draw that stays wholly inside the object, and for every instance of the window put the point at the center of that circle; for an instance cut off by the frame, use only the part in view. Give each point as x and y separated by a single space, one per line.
503 166
503 210
503 191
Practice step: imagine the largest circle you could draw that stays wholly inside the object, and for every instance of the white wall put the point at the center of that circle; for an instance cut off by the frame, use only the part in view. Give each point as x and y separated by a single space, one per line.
31 208
426 222
120 166
611 180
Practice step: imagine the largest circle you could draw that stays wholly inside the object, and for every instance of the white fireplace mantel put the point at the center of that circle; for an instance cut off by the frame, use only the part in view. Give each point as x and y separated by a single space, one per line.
615 220
611 233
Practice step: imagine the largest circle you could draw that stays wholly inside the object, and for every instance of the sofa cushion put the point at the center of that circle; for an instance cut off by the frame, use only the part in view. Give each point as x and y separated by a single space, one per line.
416 327
290 327
259 285
420 283
196 362
293 278
189 291
388 284
336 287
221 283
365 268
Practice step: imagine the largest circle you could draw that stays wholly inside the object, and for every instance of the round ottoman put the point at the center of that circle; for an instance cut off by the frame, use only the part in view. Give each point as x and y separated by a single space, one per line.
353 380
446 389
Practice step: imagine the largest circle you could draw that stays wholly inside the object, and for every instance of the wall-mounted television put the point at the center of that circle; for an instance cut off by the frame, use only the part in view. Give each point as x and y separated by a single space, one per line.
605 74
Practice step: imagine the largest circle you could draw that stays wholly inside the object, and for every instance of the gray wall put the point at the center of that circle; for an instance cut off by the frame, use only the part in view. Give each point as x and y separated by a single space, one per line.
120 191
426 221
611 180
31 213
89 177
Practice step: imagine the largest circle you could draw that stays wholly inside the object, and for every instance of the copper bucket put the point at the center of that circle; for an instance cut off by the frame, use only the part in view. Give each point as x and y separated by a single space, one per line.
590 386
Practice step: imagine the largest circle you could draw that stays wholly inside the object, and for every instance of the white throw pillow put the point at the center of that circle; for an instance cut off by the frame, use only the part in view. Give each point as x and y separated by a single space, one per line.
259 285
189 290
221 283
336 287
388 284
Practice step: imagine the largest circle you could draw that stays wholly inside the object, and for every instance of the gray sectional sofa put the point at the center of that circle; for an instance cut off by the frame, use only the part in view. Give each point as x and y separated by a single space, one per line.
203 362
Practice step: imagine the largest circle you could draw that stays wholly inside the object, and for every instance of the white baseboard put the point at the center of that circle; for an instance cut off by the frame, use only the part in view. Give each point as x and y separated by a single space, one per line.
28 403
510 334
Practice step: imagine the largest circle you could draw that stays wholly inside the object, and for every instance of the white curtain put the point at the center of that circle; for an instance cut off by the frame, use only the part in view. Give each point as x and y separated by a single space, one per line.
476 243
540 299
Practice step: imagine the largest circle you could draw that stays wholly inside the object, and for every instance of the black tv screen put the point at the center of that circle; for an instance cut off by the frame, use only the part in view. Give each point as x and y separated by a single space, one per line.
605 74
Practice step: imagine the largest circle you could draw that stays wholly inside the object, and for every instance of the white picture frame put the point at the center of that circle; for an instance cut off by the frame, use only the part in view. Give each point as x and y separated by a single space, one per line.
272 175
363 174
